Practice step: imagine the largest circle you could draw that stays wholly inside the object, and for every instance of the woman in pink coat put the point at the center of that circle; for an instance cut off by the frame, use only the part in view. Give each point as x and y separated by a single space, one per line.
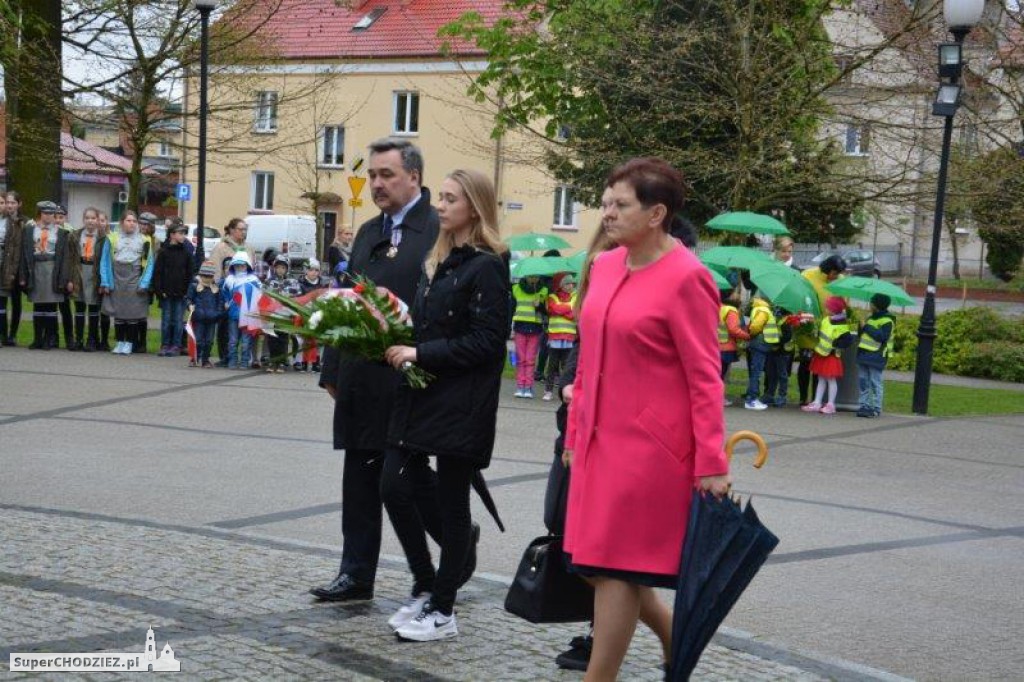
646 426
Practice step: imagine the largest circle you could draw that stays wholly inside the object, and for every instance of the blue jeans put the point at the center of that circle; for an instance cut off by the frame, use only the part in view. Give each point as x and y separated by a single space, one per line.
239 344
776 381
869 380
171 311
205 333
758 358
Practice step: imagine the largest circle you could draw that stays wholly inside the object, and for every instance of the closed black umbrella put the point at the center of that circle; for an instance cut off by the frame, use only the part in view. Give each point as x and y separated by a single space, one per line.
725 547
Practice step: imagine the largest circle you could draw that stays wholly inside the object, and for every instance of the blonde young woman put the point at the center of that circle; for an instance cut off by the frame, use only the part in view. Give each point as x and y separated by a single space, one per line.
461 323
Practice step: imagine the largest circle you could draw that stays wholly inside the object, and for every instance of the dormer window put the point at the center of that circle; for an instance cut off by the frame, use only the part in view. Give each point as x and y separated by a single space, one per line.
368 20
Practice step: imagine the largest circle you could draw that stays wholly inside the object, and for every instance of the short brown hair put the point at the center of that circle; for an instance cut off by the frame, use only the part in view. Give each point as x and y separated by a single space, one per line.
655 181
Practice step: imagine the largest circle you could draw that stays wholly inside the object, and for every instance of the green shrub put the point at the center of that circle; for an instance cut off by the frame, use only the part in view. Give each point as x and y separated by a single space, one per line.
1003 360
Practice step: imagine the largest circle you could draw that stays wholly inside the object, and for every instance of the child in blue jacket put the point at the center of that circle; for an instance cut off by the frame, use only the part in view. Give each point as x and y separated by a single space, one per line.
873 355
204 299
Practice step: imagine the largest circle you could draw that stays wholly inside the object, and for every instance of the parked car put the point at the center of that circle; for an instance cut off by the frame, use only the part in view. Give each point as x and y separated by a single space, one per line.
211 235
292 235
859 262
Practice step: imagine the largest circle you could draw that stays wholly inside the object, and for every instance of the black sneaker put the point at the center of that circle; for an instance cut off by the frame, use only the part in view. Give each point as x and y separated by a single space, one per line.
577 657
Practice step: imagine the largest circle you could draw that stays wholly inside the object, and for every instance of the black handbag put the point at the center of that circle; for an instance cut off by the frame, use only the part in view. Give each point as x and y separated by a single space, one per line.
544 591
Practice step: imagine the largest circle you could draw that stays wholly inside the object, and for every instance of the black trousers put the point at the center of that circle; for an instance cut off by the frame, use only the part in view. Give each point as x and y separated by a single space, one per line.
83 313
222 339
11 302
806 383
362 513
408 475
65 321
556 364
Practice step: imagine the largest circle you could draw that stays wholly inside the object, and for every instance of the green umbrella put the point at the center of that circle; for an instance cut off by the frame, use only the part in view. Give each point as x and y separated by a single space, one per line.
747 223
577 260
540 266
785 287
720 281
734 257
532 241
863 288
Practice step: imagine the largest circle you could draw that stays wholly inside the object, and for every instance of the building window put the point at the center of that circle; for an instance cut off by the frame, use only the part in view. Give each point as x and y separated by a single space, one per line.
266 112
565 208
166 148
857 139
332 146
407 113
262 191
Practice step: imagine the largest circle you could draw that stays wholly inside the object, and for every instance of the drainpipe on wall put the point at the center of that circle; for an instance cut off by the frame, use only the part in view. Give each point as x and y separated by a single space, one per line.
499 151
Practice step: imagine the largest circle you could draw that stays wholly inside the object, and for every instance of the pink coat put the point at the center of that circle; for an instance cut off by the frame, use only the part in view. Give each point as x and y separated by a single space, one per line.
646 418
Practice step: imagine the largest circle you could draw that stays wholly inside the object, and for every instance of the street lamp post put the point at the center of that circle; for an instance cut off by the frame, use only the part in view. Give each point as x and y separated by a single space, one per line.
961 16
205 7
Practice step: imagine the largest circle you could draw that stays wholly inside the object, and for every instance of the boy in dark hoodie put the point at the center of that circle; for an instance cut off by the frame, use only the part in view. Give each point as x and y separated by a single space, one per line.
873 355
171 277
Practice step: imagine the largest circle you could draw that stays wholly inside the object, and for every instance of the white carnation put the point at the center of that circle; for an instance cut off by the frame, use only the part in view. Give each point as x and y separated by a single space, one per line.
315 319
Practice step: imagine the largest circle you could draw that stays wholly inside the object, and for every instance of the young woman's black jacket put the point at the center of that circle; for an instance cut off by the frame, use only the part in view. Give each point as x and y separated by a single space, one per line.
461 324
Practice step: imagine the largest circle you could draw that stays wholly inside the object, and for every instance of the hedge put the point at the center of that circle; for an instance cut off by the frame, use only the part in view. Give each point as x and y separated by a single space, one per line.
971 342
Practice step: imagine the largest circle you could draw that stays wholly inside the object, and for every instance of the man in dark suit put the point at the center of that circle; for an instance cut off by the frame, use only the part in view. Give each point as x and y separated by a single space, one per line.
390 250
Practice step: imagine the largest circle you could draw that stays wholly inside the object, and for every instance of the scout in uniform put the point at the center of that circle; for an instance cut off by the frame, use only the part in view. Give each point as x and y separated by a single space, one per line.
126 268
43 245
84 247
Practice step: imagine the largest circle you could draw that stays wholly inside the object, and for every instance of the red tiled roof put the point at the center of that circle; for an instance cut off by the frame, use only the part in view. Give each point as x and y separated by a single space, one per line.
322 29
84 157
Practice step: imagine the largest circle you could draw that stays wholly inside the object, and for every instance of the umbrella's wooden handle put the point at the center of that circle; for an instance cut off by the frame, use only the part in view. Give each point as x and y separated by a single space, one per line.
762 447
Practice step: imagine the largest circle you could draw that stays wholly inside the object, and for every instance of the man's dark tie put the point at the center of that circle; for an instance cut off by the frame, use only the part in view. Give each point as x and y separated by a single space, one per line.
389 225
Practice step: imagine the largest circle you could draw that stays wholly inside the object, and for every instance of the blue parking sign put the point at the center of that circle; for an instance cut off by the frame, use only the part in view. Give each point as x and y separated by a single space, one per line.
184 192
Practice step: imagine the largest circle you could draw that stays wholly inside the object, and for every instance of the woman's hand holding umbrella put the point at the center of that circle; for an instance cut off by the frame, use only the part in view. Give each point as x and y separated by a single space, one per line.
716 485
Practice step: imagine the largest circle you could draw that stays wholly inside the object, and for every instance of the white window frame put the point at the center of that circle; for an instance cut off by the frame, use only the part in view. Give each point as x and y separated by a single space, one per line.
412 97
565 206
857 139
166 149
264 202
336 135
266 112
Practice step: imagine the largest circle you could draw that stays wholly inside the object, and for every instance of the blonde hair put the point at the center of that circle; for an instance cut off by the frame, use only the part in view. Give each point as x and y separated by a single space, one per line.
479 191
599 243
782 241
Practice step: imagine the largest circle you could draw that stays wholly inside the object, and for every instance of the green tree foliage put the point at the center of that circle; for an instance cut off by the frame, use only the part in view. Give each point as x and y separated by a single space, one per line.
730 92
30 51
997 202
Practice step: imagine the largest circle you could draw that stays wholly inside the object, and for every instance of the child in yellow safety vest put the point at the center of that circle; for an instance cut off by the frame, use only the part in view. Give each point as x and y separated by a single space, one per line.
730 332
764 339
561 328
826 364
527 326
873 355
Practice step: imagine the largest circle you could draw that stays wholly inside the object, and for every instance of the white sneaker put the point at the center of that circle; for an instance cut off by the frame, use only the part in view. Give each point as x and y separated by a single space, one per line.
411 609
726 402
547 396
755 404
429 626
123 348
116 350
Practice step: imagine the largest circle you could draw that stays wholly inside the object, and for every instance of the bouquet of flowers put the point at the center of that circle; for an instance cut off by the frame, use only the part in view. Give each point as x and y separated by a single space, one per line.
362 322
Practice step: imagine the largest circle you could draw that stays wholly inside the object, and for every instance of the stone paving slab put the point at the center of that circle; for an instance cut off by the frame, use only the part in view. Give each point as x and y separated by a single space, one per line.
235 607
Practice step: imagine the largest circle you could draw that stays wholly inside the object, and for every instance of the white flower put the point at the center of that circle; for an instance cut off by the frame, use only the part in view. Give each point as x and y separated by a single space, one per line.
315 319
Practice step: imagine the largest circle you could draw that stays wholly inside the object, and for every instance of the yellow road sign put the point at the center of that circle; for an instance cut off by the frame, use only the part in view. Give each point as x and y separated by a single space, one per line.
356 184
355 202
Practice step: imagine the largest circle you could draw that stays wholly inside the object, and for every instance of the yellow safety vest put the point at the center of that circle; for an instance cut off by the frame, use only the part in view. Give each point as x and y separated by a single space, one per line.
868 344
723 330
770 330
562 325
827 333
526 304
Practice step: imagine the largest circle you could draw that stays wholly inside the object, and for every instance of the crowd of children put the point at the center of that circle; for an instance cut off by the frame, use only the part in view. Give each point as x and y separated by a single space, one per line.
772 334
113 276
542 315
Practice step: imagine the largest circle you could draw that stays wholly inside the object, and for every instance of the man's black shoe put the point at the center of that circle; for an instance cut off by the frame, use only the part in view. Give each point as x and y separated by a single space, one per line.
578 655
474 540
343 588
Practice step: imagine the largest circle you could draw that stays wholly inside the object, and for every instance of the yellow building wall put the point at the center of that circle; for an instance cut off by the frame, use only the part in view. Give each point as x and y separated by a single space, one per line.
454 132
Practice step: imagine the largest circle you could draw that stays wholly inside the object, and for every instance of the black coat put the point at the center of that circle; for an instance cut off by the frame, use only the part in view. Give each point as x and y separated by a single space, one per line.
461 323
365 391
172 272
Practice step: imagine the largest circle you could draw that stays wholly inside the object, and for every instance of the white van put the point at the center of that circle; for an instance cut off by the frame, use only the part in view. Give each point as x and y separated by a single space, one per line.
292 235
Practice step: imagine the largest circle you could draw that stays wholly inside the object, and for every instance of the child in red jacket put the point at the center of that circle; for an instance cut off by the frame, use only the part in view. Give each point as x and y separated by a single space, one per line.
561 327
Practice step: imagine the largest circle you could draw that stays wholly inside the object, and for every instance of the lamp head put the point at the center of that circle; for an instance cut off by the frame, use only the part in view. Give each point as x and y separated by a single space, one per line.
962 14
205 5
947 100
